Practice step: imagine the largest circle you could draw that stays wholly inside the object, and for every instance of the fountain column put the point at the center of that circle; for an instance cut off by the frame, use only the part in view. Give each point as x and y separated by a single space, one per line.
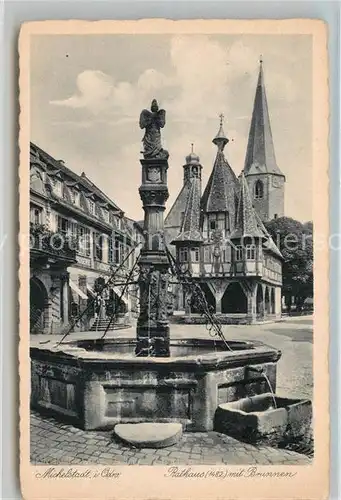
152 325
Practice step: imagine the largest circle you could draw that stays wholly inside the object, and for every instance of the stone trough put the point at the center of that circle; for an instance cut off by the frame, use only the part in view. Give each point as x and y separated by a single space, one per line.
98 384
265 418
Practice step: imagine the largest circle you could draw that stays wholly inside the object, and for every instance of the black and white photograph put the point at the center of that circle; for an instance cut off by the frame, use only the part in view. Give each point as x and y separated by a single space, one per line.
170 251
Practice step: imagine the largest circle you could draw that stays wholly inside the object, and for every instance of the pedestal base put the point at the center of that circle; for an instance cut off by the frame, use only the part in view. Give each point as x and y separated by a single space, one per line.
153 341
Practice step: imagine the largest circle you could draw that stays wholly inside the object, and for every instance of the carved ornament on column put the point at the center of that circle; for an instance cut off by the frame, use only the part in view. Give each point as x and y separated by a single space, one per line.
154 197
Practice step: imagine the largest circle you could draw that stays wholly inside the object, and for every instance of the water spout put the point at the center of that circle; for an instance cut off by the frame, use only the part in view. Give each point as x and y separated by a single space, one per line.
271 390
261 372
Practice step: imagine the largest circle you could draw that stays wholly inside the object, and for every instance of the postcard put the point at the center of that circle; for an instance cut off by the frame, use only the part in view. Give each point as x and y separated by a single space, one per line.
174 252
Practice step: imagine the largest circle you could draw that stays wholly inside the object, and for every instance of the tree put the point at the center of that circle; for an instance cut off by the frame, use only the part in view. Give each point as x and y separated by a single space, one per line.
295 241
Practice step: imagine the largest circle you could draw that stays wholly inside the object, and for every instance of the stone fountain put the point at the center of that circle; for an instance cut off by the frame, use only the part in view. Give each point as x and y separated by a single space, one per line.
96 384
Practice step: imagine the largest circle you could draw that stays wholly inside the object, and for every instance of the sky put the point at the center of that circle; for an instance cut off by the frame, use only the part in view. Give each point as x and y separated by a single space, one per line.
87 92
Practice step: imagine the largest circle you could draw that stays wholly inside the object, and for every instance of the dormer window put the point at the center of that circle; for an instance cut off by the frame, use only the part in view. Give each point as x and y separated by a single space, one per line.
106 215
57 186
259 190
92 207
75 196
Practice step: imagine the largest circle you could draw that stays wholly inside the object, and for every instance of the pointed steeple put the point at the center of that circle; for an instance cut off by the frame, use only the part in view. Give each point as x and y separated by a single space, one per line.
220 139
220 191
246 221
260 154
190 227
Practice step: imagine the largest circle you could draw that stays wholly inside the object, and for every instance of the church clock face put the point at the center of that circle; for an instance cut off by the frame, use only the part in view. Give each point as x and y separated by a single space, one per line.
276 182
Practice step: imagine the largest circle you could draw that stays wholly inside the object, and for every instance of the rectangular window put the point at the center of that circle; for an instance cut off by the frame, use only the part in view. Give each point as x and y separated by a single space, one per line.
239 253
63 225
117 252
221 222
73 230
36 215
207 254
195 254
250 252
111 251
212 222
183 254
121 246
84 241
98 246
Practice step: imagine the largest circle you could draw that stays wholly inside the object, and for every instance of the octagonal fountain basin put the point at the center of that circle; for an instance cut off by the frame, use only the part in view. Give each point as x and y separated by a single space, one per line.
265 418
98 384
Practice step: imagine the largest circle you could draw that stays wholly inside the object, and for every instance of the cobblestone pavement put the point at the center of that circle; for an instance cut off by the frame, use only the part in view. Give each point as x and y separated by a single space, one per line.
54 443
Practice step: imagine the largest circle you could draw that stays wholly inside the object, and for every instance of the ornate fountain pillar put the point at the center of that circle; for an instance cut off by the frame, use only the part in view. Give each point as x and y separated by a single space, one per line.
152 325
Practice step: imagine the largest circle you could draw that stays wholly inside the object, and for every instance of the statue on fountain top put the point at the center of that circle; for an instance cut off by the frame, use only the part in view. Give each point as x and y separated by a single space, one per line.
153 121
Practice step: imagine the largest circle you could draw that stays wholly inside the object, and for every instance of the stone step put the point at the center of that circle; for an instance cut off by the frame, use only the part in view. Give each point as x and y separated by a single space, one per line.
149 434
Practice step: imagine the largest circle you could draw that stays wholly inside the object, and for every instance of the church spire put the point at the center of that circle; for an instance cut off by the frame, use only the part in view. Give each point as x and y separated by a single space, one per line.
260 154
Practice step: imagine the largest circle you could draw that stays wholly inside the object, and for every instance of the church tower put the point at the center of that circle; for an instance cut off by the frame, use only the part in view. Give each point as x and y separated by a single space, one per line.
264 178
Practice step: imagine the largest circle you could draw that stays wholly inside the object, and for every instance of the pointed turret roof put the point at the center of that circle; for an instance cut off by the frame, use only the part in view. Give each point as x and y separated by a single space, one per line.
190 227
260 154
246 221
222 186
269 243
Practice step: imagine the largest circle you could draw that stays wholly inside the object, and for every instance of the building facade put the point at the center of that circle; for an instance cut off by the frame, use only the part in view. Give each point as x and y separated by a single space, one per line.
219 235
78 239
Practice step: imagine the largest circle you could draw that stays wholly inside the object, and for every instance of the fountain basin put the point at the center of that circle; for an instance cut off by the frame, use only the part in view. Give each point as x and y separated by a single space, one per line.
256 419
98 384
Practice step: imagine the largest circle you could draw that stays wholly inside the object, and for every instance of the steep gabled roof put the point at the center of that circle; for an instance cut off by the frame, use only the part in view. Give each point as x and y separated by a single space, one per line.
190 228
59 166
260 153
222 186
246 221
269 243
